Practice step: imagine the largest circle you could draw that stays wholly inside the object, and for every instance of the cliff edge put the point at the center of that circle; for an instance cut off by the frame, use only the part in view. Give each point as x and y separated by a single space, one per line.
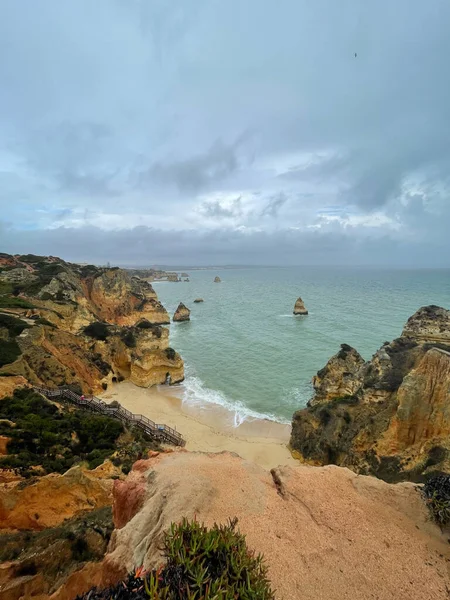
389 416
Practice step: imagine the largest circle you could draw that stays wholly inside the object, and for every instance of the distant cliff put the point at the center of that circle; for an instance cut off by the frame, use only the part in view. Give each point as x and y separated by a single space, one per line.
64 323
389 416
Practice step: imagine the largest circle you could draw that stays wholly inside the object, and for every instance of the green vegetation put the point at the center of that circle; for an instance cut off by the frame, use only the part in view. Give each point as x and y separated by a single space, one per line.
5 288
128 338
55 439
97 330
13 302
9 352
201 564
14 325
436 492
170 353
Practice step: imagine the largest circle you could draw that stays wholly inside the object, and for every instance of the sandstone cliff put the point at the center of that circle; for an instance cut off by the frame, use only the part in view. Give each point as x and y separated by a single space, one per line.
57 303
300 308
182 313
325 532
389 416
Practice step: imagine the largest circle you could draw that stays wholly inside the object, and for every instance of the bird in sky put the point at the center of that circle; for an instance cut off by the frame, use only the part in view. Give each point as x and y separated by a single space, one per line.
355 55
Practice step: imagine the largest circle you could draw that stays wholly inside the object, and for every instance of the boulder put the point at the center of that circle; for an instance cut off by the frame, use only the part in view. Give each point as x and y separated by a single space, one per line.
299 308
324 532
217 279
182 313
197 300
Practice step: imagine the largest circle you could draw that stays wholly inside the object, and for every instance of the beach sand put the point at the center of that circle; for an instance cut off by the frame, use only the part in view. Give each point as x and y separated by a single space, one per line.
207 428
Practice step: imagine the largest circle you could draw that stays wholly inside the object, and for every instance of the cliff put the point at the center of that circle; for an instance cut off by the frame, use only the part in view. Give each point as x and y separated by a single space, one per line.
300 308
82 325
324 532
389 416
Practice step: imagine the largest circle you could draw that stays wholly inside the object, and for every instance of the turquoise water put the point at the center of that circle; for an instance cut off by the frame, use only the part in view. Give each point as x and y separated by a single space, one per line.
244 349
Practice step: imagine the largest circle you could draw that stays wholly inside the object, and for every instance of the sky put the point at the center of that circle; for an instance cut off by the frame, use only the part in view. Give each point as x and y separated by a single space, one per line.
205 132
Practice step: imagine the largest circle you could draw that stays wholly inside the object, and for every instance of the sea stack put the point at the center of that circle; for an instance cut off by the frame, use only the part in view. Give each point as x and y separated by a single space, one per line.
197 300
182 313
217 279
299 308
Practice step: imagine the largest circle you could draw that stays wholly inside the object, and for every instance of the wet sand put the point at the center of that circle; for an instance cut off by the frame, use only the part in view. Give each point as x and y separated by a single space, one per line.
207 428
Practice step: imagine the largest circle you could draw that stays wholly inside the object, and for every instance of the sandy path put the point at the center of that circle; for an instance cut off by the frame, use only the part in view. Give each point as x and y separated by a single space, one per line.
207 429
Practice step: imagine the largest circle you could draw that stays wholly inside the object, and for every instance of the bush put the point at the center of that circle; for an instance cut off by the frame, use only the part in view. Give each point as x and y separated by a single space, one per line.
200 563
13 325
97 330
128 338
9 352
436 492
170 353
12 302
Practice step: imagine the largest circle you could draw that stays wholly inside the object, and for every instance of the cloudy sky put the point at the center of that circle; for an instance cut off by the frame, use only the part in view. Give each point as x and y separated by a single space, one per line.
226 132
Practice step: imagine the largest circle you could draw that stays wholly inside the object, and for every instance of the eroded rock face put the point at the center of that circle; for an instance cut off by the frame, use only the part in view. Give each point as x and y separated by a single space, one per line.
324 532
389 416
217 279
52 499
182 313
299 308
67 298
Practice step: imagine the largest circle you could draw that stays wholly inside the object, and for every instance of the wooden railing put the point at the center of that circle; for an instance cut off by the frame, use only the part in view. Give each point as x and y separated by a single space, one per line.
162 433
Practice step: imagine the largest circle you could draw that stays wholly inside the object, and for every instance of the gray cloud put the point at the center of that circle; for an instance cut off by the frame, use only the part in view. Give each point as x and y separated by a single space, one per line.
158 115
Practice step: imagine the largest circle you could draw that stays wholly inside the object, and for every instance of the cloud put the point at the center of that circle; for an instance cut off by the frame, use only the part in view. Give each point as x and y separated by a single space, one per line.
164 116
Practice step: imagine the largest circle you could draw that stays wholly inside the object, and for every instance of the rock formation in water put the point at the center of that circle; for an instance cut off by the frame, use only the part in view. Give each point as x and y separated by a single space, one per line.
389 416
217 279
324 532
182 313
198 300
299 308
70 324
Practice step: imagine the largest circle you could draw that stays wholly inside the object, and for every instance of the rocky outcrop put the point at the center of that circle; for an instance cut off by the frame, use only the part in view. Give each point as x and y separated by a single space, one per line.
324 532
198 300
52 499
339 376
182 313
217 279
9 383
60 300
389 416
299 308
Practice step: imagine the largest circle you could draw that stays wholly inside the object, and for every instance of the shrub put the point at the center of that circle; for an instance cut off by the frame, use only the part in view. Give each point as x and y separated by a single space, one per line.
128 338
202 564
9 352
12 302
436 492
13 325
97 330
170 353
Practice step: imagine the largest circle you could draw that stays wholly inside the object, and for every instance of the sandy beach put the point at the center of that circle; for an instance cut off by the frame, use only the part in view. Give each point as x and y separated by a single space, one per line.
207 428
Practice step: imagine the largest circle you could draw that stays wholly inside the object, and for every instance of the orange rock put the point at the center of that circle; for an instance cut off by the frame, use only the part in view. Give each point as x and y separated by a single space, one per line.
325 532
9 384
52 499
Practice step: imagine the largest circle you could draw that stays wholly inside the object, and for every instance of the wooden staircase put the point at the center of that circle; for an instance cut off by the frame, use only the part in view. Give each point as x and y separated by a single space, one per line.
161 433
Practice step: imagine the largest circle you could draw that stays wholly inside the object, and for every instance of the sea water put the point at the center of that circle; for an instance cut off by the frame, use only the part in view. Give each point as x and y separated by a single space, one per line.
244 349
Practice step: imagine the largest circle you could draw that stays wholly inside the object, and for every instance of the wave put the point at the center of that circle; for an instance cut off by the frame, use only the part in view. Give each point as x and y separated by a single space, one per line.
196 393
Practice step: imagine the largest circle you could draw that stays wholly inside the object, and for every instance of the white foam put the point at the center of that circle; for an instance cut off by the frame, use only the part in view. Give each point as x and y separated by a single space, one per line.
196 393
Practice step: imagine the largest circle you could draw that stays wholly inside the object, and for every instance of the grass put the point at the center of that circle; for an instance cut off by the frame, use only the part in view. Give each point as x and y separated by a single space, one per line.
14 302
9 352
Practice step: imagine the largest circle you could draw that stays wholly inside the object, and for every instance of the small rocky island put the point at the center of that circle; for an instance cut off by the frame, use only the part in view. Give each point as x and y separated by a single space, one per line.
198 300
299 308
217 279
181 314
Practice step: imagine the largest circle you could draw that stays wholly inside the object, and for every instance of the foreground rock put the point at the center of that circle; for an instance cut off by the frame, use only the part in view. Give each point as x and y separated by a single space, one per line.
389 416
299 308
198 300
182 313
217 279
325 532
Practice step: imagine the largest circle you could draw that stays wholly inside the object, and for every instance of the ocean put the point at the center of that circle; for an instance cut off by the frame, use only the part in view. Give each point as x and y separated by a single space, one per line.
244 349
